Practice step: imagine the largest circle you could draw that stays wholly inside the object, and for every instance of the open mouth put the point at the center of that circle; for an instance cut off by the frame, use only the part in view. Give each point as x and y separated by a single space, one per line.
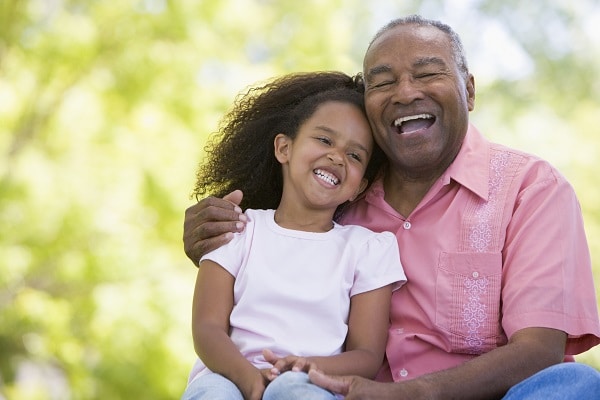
327 177
414 123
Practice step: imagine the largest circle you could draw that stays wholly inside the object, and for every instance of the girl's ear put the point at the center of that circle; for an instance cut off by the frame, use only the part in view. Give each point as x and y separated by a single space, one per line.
281 145
361 188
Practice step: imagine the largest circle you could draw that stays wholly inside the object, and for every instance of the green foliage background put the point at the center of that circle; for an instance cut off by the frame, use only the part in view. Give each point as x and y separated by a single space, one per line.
104 109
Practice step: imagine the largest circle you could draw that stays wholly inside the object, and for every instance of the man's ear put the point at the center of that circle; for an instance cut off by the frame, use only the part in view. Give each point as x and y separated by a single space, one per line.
281 145
361 188
471 92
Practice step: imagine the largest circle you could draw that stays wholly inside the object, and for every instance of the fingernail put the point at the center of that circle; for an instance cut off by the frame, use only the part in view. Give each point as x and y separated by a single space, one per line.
237 209
243 217
239 225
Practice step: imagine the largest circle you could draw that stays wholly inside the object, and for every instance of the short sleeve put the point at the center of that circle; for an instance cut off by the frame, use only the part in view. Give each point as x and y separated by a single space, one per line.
378 264
556 270
230 256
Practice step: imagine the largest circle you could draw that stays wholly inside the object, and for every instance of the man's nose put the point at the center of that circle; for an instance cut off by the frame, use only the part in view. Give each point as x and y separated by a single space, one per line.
407 91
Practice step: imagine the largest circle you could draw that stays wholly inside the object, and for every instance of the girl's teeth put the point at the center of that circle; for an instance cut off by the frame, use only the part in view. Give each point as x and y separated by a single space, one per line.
326 177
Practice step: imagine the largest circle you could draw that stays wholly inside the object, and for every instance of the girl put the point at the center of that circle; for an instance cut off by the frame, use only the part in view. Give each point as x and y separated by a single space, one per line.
295 290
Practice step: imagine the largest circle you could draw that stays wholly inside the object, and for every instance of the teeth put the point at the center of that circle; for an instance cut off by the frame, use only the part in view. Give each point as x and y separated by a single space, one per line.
327 177
399 121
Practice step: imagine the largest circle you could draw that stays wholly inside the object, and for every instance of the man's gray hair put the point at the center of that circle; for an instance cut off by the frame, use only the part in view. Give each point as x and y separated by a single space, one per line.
458 50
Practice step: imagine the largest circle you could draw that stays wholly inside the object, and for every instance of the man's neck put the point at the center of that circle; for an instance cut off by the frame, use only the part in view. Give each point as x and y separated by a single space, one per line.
404 193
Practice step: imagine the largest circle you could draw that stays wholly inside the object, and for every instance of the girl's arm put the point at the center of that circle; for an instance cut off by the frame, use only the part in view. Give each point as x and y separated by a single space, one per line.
212 305
368 325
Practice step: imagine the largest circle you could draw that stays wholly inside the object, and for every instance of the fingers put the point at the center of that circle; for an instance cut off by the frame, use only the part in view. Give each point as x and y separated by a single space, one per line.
210 223
301 364
215 209
288 363
336 384
235 197
269 356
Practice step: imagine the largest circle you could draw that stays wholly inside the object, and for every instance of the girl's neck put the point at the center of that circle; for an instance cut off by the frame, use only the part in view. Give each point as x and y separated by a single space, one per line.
307 221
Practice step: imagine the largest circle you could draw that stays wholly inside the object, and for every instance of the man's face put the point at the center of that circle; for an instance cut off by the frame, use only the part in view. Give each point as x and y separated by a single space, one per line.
417 99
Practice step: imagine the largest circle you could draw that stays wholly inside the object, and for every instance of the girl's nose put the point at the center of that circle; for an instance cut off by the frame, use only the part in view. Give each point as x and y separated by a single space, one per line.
335 157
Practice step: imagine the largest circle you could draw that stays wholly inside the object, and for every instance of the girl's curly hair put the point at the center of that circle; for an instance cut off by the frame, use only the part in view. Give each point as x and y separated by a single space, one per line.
241 156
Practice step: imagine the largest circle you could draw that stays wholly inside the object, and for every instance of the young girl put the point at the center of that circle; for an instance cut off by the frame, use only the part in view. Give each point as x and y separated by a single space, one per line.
295 290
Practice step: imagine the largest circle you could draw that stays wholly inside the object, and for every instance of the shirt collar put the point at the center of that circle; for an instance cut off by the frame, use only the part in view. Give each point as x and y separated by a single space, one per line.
470 168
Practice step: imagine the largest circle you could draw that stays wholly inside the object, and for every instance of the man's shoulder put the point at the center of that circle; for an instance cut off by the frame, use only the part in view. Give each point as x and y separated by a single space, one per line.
526 164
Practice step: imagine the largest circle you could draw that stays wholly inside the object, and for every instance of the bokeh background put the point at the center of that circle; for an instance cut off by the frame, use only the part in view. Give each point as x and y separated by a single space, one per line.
105 107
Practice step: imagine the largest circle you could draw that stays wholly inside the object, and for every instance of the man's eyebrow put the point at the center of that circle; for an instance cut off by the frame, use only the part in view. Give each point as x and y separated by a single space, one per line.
378 69
424 61
421 62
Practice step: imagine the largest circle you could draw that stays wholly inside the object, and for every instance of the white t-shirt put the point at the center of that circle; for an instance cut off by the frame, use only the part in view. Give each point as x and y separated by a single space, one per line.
292 288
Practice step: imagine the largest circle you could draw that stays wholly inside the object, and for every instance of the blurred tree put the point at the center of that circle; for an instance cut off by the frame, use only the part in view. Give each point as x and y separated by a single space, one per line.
104 108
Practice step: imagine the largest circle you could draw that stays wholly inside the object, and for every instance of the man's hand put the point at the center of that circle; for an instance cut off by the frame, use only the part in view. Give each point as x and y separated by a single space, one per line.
357 388
335 384
210 224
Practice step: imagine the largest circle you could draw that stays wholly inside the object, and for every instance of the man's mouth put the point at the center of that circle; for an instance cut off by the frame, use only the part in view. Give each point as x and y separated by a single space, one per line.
413 123
327 177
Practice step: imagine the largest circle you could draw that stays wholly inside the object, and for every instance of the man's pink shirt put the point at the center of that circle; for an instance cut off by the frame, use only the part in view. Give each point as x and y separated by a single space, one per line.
496 245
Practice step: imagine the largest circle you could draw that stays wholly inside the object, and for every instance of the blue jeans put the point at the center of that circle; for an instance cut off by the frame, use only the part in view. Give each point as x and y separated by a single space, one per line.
564 381
287 386
296 386
212 387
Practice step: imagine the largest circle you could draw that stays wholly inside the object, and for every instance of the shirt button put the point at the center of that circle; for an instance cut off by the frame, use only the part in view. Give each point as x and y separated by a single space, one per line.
475 274
406 225
403 373
399 330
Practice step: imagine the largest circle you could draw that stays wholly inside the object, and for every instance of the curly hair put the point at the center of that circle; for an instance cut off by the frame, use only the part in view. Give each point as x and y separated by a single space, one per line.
241 154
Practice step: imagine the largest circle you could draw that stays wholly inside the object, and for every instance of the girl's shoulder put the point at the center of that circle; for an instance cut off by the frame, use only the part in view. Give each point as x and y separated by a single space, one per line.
360 233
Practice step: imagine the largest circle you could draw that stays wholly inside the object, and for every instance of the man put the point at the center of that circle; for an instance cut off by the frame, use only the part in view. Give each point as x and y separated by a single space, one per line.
492 240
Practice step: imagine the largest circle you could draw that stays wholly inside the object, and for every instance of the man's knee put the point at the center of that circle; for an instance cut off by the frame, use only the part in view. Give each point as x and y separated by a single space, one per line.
564 381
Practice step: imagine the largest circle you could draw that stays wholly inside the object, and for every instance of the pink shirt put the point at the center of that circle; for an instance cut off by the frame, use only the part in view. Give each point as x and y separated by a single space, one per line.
496 245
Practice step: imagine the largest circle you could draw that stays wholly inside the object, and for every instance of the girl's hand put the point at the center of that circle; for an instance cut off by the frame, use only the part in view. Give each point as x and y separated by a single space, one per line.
252 384
287 363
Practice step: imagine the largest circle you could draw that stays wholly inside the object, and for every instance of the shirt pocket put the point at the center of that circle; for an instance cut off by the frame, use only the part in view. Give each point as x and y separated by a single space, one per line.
468 293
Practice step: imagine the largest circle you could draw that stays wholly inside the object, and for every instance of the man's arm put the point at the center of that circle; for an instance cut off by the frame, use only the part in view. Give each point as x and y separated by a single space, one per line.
488 376
210 223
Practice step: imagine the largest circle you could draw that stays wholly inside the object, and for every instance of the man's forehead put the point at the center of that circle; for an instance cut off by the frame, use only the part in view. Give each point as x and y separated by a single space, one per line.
403 40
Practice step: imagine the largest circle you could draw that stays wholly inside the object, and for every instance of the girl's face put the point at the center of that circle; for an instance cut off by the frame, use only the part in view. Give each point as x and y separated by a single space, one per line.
325 164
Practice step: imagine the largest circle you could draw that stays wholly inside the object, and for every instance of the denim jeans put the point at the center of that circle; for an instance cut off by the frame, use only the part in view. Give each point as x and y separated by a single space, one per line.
296 386
212 387
287 386
564 381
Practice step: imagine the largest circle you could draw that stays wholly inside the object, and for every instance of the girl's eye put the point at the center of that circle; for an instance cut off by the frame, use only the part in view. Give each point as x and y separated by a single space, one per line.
355 156
324 140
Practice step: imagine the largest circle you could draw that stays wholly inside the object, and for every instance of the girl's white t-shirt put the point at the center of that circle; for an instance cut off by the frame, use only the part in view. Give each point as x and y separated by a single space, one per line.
292 288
